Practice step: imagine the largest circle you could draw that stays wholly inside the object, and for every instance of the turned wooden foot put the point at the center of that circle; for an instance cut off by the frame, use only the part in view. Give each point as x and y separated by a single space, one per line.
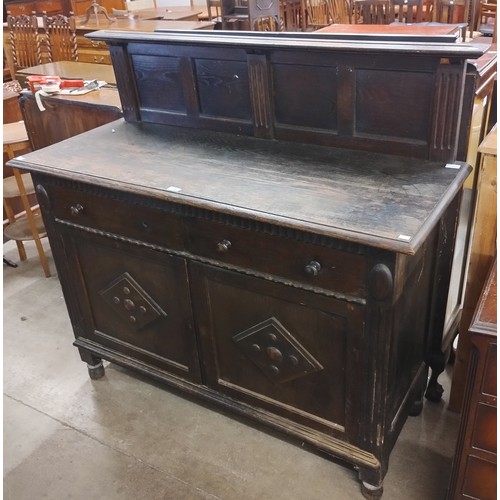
96 371
371 492
434 388
416 408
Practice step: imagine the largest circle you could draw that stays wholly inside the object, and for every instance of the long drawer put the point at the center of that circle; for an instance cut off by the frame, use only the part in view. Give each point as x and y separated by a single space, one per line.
264 250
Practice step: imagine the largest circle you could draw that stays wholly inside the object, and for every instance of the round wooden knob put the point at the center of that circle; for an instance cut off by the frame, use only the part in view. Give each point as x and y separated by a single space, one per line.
313 268
76 210
223 246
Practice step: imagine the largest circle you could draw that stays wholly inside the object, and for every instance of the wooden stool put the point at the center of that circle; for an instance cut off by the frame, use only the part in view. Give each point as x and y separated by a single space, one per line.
29 226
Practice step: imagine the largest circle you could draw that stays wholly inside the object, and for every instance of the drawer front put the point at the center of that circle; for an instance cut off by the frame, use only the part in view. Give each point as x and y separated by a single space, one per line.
93 44
304 262
117 216
289 260
484 435
489 384
93 57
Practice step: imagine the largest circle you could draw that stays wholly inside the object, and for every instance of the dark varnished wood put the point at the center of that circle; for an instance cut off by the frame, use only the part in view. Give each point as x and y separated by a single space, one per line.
243 259
308 89
474 472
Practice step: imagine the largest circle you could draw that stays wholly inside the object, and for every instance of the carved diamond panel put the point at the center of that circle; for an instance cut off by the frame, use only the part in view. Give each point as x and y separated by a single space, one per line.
131 302
274 350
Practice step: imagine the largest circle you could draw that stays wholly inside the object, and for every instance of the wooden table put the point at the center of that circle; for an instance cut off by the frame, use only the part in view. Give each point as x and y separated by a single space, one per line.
66 116
191 13
69 70
440 33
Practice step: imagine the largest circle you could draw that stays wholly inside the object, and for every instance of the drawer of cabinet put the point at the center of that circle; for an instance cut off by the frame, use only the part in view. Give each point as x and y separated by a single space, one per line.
116 216
484 434
310 264
94 56
87 43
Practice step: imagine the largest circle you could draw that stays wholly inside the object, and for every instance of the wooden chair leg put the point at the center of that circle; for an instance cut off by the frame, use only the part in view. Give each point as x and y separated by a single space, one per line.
31 221
11 217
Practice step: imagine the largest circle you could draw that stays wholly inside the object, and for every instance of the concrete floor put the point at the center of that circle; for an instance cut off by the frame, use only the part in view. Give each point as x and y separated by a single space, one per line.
122 437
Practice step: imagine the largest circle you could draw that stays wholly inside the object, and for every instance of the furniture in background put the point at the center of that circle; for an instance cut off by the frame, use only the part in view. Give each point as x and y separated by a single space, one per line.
132 5
24 41
52 7
214 11
69 70
407 11
252 15
28 225
474 473
481 253
372 12
487 19
313 318
67 116
60 37
319 14
452 12
81 7
94 51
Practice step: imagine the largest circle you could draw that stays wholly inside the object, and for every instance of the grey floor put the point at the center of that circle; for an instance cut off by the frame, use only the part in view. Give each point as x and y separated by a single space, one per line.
67 437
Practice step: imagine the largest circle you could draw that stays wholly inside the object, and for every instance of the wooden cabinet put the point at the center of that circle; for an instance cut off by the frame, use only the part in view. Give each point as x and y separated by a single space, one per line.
224 241
92 51
52 7
474 472
481 253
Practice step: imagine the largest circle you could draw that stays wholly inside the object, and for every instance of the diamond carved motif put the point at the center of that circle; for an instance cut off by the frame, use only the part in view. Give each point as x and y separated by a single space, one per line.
276 352
131 302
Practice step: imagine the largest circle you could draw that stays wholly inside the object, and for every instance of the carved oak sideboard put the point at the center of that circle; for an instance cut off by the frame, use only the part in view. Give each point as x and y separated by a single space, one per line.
270 229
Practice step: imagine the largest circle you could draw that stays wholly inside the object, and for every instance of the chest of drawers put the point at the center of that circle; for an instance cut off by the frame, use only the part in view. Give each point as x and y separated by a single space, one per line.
296 284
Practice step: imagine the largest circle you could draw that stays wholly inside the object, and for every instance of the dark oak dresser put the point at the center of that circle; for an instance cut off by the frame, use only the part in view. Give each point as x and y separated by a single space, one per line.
270 228
474 472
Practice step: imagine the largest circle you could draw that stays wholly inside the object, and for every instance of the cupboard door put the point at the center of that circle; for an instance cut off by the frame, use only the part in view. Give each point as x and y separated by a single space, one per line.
295 353
134 301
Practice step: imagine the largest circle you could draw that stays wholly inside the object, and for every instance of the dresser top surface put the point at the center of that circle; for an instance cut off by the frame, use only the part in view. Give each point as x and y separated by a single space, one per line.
383 201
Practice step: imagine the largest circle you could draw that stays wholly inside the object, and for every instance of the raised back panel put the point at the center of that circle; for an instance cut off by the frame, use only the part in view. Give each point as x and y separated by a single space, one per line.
396 98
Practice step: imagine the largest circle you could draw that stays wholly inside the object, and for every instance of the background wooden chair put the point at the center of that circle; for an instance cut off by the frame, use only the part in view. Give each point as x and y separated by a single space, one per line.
452 12
408 11
60 37
340 11
372 12
24 41
214 11
293 15
487 19
28 226
321 13
317 14
253 15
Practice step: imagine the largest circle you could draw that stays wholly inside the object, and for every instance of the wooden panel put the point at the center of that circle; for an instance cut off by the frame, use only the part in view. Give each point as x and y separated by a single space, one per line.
383 106
489 385
129 308
319 329
375 104
481 479
484 436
